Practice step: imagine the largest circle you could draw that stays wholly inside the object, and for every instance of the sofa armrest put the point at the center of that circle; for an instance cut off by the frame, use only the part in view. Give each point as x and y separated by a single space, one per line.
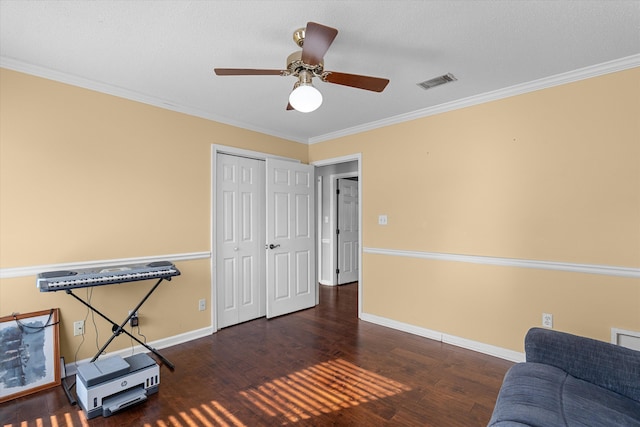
606 365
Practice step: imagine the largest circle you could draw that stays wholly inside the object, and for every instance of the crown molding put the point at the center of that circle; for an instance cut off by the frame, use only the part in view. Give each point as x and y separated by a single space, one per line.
547 82
70 79
519 89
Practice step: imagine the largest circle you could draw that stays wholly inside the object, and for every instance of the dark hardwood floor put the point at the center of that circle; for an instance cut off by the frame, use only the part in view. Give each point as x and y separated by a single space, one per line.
317 367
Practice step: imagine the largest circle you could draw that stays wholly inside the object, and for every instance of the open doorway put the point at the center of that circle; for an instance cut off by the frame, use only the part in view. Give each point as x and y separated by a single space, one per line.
329 177
332 261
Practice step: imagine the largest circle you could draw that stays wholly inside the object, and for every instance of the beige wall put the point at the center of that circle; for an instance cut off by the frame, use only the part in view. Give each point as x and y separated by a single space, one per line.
86 176
551 175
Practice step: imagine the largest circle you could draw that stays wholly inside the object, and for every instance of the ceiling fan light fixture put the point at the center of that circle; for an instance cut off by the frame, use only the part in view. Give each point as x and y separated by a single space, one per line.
314 39
305 97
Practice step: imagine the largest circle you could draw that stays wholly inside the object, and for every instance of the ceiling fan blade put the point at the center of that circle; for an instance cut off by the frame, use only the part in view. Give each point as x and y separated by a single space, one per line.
247 72
289 107
317 40
375 84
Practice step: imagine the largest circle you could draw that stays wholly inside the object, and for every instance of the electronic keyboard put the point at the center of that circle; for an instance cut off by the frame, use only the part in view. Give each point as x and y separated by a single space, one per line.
71 279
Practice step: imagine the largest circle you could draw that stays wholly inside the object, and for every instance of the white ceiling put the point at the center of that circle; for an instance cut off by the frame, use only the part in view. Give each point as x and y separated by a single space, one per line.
164 52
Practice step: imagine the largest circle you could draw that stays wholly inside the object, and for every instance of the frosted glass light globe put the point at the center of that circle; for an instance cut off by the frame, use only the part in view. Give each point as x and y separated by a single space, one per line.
305 98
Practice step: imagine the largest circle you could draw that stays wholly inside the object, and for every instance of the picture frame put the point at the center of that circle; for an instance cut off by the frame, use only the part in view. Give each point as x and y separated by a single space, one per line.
29 353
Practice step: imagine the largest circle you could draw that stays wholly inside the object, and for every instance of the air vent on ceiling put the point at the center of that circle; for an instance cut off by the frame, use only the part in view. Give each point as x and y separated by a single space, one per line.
437 81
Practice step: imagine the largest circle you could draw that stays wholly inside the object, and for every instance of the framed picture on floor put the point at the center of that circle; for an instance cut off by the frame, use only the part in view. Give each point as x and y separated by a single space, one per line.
29 353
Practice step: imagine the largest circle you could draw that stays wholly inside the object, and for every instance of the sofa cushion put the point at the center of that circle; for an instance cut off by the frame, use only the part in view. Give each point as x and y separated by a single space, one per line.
607 365
535 394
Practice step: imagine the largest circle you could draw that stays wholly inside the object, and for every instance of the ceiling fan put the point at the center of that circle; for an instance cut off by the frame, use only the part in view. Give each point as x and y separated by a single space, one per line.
307 63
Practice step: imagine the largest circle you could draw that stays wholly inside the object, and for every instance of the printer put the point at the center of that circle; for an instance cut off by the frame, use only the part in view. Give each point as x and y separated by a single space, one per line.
112 384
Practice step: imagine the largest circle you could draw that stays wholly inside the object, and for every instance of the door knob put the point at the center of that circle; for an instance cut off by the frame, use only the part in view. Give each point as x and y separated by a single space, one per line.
272 246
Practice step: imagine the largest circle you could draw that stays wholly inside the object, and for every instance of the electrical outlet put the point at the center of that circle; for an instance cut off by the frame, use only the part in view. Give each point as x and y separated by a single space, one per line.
382 220
202 305
134 320
78 328
547 320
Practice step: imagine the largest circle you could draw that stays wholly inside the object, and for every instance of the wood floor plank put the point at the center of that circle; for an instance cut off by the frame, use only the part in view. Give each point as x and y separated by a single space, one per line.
316 367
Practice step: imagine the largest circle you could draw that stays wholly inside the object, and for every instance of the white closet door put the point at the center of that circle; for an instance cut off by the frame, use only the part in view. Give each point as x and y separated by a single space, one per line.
240 255
290 237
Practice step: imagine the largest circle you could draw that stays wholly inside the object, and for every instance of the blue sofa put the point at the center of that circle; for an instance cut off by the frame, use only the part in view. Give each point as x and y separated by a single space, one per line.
569 380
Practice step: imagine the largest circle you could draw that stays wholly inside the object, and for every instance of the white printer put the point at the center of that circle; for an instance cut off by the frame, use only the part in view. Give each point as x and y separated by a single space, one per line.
112 384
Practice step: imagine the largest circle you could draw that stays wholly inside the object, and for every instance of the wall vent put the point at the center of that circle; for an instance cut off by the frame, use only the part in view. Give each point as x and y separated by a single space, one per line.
629 339
437 81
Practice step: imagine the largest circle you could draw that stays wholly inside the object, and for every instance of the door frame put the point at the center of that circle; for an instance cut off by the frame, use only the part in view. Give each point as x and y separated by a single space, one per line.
215 150
349 158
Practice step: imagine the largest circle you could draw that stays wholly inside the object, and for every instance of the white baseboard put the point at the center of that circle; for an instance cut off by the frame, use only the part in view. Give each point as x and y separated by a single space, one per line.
488 349
513 356
72 367
327 283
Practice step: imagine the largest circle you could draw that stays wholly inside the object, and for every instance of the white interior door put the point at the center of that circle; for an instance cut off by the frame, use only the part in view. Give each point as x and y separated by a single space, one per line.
240 255
290 237
347 231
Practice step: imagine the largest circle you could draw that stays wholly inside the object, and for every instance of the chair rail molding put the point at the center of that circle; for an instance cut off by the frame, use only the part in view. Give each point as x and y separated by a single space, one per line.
33 270
607 270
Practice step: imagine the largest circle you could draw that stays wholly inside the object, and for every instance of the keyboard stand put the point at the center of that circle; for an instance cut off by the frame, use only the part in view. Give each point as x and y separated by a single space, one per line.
118 329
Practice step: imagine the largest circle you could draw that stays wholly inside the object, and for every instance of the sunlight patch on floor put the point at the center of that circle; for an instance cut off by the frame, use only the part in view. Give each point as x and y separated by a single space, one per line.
319 389
211 414
68 419
322 388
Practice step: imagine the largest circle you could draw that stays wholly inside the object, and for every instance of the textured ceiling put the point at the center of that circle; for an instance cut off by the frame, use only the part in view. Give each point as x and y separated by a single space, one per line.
164 52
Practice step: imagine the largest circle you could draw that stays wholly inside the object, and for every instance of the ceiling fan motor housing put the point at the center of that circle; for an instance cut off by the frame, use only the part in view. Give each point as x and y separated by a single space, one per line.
295 65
